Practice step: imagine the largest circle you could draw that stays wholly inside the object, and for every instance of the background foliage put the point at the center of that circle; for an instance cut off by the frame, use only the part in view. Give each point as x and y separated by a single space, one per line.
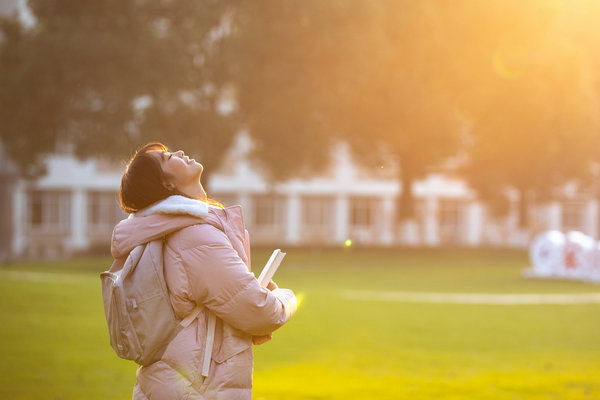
504 92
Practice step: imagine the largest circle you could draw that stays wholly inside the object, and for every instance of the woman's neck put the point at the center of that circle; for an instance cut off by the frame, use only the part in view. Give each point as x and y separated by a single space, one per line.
195 191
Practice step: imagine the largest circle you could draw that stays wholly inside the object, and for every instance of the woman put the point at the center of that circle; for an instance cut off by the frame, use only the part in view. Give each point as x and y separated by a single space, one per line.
206 263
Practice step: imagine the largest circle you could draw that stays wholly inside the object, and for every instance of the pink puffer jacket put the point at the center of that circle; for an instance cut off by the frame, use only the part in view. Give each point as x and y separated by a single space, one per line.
207 262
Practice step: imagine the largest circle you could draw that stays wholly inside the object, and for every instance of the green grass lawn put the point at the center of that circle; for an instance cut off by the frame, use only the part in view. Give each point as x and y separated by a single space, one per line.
54 341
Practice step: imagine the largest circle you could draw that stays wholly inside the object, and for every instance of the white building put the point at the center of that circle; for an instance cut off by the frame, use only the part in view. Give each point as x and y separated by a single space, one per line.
75 206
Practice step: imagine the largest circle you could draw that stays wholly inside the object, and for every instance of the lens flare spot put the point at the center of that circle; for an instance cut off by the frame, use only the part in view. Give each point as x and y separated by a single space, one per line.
300 299
504 67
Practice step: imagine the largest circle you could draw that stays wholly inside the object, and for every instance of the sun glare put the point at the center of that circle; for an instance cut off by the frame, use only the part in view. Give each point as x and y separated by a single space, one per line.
505 68
300 299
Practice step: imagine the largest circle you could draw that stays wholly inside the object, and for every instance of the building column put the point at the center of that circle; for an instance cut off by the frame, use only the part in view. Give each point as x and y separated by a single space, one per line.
19 239
591 218
431 234
342 216
293 219
388 221
245 201
474 224
555 216
79 239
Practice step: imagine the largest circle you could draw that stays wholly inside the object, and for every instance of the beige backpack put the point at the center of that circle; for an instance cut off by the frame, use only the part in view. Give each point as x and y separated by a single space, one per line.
141 320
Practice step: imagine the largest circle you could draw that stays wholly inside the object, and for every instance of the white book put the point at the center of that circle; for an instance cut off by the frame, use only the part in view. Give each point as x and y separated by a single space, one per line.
270 268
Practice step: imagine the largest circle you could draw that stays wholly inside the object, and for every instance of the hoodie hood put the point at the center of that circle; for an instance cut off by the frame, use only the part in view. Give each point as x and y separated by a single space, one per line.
131 232
171 215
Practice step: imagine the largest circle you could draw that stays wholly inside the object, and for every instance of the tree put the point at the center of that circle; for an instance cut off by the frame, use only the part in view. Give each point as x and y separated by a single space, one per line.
368 73
416 81
401 105
278 56
534 112
104 77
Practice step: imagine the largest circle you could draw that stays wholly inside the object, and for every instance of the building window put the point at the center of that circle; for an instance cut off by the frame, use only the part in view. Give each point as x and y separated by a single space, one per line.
450 213
573 213
49 210
103 210
362 211
451 220
226 200
317 211
268 210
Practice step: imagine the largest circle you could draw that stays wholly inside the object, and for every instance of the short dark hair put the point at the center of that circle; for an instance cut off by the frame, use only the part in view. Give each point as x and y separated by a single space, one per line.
143 182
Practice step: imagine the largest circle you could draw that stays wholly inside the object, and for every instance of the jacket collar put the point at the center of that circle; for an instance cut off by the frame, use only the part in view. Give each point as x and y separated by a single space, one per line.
175 205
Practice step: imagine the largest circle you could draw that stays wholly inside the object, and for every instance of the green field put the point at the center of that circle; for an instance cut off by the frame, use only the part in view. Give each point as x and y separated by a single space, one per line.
54 342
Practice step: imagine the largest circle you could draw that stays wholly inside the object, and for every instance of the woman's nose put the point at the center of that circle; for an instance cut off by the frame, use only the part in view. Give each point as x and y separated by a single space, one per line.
179 153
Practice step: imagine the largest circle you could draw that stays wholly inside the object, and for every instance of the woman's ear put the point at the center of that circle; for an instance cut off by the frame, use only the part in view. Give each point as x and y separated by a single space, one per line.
169 185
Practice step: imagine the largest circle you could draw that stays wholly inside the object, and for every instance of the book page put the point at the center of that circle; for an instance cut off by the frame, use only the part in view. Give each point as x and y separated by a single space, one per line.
270 268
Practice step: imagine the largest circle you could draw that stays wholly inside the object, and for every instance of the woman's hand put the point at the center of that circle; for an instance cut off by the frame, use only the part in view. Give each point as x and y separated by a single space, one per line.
262 338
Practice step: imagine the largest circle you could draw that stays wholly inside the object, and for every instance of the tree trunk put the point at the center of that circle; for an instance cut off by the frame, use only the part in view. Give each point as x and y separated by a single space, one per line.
6 212
524 203
405 211
405 202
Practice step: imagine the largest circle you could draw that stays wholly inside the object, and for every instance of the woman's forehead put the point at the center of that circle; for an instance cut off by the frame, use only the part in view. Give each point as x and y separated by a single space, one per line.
160 154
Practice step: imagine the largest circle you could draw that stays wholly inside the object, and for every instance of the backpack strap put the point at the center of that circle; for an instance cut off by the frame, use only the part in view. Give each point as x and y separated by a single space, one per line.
210 335
191 316
210 338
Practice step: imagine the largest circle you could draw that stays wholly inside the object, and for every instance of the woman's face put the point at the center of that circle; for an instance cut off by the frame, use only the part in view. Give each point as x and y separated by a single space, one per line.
182 169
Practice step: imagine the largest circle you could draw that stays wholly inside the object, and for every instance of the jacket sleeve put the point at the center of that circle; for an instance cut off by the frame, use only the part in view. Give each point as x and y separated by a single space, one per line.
219 279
